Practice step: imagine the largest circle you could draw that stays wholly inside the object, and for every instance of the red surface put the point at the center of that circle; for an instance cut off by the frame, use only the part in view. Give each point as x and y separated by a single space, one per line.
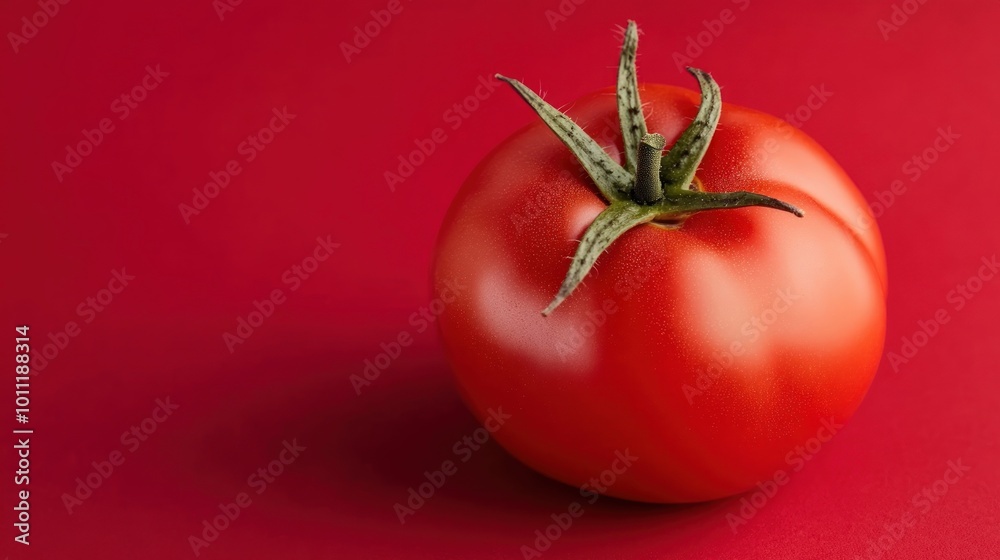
162 336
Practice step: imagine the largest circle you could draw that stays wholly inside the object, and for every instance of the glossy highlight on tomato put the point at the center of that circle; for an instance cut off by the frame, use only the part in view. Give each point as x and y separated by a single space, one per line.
736 308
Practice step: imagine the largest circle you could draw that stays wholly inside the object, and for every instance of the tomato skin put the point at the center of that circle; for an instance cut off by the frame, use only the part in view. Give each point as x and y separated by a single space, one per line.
712 352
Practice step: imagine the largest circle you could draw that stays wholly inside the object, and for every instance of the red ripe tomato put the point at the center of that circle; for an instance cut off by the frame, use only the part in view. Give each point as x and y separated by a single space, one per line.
714 338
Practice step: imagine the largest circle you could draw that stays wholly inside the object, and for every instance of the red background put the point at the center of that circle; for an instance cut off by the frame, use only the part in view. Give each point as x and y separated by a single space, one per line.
323 175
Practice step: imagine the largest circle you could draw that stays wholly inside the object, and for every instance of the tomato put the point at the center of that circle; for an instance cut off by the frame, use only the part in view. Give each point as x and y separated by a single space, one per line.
717 340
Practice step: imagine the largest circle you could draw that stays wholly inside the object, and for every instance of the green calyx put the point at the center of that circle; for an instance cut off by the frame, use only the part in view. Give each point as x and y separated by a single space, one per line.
652 186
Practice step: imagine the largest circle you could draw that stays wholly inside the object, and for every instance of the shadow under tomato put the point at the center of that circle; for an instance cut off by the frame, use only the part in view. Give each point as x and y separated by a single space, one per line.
365 452
399 429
